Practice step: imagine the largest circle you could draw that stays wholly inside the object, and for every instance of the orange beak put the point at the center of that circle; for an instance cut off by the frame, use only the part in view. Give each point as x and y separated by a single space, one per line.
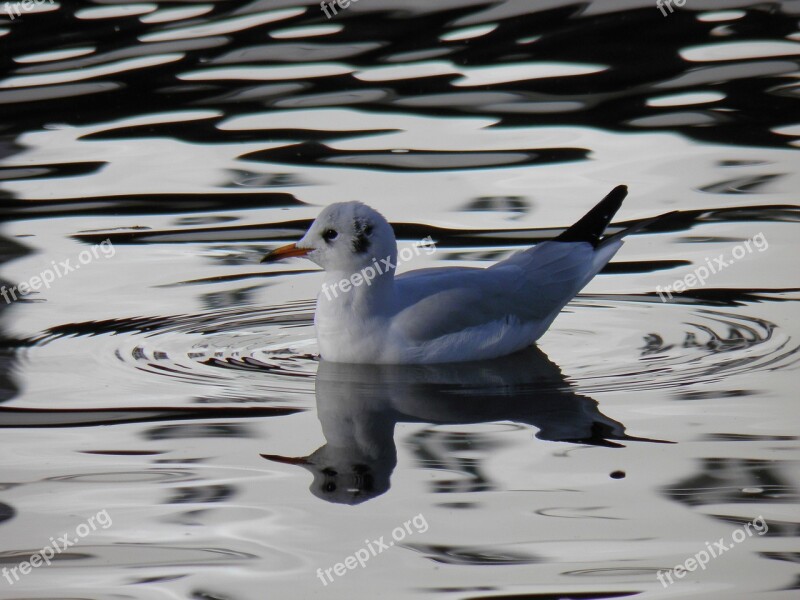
286 251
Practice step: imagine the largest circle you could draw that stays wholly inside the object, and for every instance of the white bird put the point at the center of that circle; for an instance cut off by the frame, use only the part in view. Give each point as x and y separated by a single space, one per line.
368 314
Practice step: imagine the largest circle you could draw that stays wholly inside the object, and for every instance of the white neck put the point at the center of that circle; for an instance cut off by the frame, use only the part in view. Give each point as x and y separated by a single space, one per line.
367 292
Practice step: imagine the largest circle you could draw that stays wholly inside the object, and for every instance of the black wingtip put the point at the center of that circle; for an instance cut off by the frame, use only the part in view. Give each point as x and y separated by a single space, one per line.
590 228
639 226
620 191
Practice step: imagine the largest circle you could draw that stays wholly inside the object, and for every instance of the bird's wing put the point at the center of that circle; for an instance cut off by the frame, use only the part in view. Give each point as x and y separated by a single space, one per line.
532 285
551 273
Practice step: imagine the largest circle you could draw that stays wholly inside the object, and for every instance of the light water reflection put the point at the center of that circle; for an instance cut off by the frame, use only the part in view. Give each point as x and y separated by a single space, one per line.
196 136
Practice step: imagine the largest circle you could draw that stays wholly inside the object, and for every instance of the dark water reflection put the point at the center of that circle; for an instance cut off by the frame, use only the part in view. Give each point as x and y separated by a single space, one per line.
359 407
194 136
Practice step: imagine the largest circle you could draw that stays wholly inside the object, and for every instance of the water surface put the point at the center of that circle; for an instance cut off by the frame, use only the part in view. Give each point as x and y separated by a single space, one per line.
173 382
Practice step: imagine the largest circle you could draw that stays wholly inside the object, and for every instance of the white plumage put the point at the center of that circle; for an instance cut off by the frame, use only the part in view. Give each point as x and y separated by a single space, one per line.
447 314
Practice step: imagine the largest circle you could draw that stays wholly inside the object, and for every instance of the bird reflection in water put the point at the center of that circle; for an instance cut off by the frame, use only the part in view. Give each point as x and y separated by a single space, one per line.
359 405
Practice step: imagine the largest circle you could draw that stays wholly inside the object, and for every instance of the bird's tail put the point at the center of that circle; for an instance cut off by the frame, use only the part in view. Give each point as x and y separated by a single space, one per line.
591 226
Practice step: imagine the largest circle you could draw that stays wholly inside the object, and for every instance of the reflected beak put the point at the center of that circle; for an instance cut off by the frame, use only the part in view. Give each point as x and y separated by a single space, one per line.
286 251
286 460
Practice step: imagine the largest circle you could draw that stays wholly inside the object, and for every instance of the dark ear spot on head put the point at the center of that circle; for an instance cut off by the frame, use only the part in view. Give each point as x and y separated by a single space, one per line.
361 241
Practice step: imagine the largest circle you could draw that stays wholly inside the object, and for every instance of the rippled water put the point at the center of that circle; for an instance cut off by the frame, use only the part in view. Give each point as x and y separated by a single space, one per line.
171 381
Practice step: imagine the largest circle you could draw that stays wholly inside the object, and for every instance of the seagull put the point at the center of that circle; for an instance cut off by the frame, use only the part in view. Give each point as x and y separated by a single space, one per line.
368 314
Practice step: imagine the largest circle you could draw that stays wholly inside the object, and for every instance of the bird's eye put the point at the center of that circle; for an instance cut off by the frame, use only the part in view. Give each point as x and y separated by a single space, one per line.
329 235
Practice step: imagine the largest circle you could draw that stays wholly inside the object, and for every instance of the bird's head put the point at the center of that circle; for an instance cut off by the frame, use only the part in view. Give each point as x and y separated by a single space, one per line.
346 236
